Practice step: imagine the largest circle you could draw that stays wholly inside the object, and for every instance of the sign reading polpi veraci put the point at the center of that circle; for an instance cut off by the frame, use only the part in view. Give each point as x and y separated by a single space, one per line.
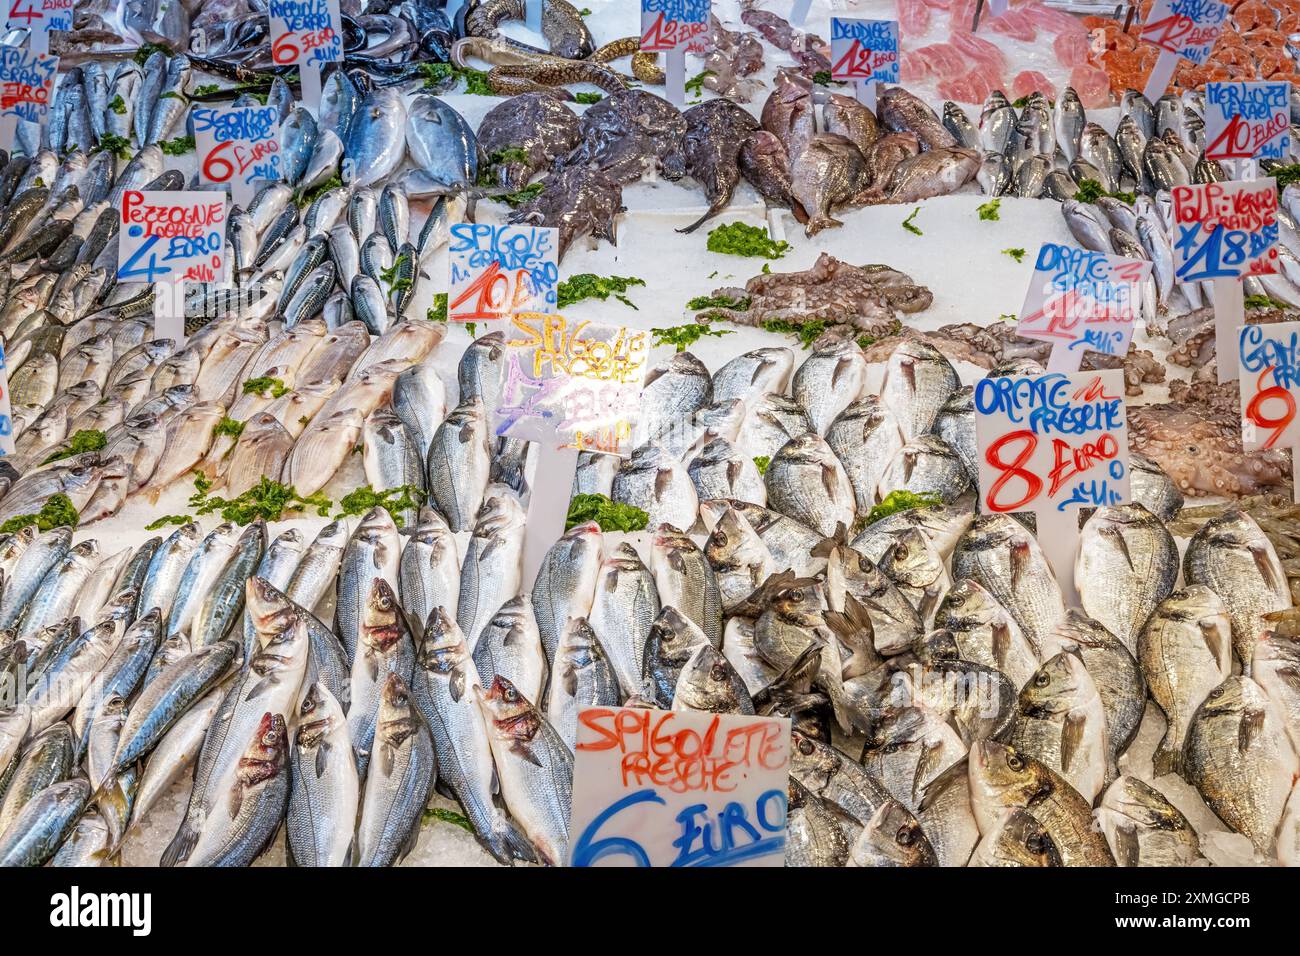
678 788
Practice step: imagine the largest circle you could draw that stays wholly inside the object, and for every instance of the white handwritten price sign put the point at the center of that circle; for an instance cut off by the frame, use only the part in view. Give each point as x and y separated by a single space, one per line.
1082 301
864 53
238 147
569 387
308 34
1269 359
1052 444
26 89
572 384
678 788
1182 29
40 17
674 28
6 410
498 270
1224 232
169 238
1248 120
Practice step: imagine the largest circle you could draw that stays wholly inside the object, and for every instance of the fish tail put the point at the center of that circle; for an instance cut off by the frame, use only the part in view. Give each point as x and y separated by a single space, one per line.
817 224
1167 760
181 846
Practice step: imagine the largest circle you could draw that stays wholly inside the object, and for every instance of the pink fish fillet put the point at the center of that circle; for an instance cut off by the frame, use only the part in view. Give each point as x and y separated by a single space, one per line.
913 18
1071 49
1015 24
1092 85
1029 81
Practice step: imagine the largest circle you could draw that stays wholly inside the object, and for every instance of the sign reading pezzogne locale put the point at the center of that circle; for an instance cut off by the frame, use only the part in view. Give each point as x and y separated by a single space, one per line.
678 788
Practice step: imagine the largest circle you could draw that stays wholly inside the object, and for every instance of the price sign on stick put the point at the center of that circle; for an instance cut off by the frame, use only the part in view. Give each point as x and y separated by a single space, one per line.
1224 232
498 270
238 146
569 387
1052 444
40 17
168 238
674 28
1182 29
6 410
678 788
1248 120
1082 301
308 34
26 89
1269 359
864 53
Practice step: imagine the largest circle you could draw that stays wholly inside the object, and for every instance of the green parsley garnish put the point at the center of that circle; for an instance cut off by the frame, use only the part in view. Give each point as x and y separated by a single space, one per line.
167 520
447 816
1017 254
989 211
718 302
739 239
684 336
761 462
117 105
588 285
264 384
901 500
806 332
86 439
910 226
178 146
392 500
607 514
57 512
1090 191
588 98
268 500
439 311
227 426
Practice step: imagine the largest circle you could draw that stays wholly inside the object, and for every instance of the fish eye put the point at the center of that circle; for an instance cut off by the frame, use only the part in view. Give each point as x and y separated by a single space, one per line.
1015 763
796 594
1035 844
905 836
511 695
1041 679
805 746
718 672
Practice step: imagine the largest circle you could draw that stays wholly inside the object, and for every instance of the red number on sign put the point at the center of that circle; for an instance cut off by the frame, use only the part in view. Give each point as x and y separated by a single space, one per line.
284 50
1255 409
216 168
1013 469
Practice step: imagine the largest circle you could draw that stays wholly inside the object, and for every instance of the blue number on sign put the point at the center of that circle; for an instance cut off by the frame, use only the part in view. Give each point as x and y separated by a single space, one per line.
149 272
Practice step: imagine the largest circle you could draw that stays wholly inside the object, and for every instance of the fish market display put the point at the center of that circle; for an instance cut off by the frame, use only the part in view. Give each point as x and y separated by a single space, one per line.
267 588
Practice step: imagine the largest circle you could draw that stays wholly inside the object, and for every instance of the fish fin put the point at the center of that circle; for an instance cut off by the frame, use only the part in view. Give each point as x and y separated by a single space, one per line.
1122 544
1219 643
372 667
322 753
182 845
236 798
1251 726
262 687
1166 759
799 213
1127 846
517 842
931 754
1001 645
456 686
1261 555
520 749
935 788
387 758
1073 730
